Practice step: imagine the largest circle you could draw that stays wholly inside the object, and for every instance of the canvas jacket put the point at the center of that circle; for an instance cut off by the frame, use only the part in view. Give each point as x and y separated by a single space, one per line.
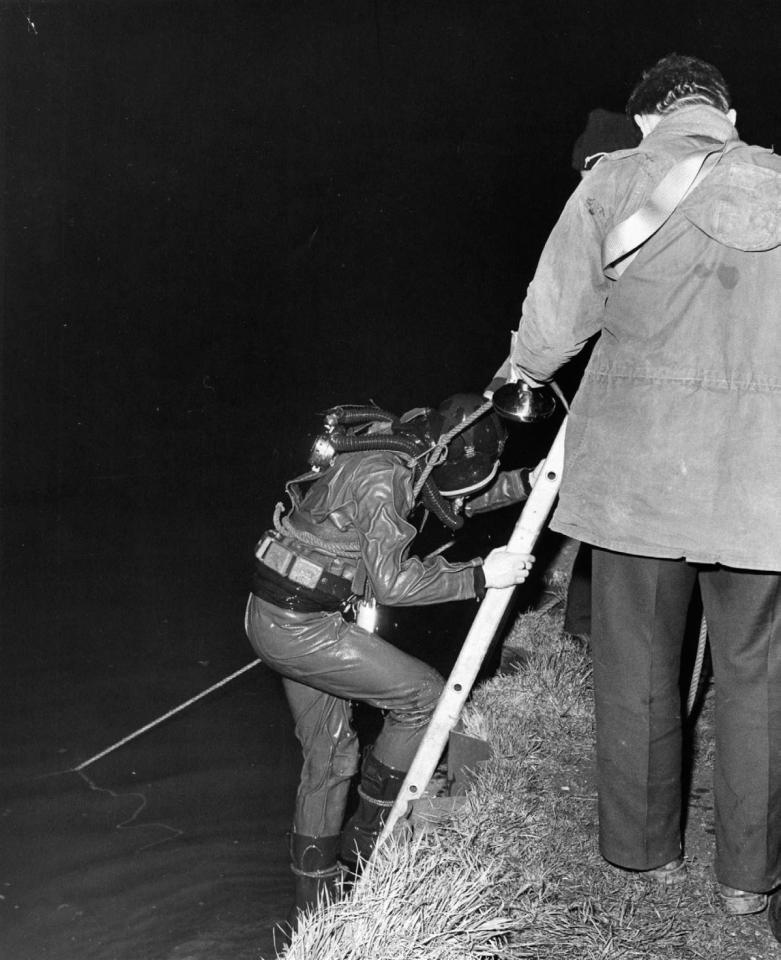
672 445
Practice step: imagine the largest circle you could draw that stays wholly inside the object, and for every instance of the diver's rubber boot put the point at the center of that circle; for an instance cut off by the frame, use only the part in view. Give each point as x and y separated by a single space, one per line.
377 790
318 876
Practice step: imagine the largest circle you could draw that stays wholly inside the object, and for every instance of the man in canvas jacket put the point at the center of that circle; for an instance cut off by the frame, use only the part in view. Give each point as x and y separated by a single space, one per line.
672 469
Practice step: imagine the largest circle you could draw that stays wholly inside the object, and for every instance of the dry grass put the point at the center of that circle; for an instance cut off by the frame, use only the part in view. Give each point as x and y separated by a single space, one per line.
515 875
421 900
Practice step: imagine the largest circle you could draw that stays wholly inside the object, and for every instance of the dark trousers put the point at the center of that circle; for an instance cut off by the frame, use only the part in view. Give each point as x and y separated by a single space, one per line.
577 613
639 618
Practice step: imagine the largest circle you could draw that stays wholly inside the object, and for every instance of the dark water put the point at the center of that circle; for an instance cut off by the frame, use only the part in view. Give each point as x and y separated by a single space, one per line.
117 608
173 845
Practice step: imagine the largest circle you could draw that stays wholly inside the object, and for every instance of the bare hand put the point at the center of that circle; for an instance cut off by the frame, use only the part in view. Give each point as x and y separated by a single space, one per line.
504 569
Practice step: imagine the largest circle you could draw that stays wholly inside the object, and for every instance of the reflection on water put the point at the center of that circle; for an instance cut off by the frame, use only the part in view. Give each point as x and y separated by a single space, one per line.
172 848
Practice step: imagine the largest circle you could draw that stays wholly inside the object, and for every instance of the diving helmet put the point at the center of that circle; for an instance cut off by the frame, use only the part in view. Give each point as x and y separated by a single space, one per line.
473 453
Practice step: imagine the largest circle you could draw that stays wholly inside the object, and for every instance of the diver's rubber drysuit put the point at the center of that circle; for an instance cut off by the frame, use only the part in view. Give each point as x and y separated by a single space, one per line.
349 535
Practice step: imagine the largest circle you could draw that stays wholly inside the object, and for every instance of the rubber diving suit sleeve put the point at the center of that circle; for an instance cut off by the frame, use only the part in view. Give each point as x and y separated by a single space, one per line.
381 500
511 486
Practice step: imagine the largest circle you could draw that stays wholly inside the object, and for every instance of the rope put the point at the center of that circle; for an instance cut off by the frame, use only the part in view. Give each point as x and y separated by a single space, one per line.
697 670
165 716
374 801
439 450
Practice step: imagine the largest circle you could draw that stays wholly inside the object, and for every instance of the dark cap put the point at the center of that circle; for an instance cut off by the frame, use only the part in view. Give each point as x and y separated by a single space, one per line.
605 131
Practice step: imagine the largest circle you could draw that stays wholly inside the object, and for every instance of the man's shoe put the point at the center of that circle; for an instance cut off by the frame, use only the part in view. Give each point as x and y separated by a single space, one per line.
667 874
738 903
774 914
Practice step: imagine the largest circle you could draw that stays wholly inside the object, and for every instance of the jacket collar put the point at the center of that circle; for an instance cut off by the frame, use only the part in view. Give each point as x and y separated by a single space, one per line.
698 120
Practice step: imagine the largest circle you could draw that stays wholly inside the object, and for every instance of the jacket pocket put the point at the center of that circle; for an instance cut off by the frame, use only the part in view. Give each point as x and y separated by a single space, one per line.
740 207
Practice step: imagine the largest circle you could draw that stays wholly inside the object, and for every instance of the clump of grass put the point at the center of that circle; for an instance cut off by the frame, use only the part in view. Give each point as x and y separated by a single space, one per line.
516 874
424 900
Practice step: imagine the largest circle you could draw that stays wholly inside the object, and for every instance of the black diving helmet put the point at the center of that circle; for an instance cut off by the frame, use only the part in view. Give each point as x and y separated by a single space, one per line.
473 453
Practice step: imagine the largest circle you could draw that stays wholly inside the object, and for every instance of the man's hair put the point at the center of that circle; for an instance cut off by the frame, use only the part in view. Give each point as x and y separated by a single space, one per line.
676 81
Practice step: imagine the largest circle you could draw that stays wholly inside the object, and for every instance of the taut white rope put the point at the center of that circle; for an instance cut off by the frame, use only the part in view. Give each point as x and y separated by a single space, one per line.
165 716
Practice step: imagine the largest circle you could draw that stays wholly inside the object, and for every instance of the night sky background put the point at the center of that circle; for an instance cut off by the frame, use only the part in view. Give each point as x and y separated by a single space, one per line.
220 218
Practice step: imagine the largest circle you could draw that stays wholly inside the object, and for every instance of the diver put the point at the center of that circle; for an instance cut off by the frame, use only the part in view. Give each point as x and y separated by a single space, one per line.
343 547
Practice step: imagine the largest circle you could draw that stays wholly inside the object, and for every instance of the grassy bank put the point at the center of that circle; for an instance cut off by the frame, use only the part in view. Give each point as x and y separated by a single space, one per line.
516 874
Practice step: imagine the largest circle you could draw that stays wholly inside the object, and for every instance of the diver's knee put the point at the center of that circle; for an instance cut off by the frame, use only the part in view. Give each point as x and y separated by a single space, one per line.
431 690
422 705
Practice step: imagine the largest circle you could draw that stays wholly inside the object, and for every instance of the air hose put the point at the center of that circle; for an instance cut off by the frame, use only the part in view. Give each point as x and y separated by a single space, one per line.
412 448
352 415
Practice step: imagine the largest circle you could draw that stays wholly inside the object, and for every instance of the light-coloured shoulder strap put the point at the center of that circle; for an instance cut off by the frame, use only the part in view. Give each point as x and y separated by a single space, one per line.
623 243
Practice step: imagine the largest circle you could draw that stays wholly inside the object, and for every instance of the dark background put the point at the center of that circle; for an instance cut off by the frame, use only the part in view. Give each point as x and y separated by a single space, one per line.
222 217
219 218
